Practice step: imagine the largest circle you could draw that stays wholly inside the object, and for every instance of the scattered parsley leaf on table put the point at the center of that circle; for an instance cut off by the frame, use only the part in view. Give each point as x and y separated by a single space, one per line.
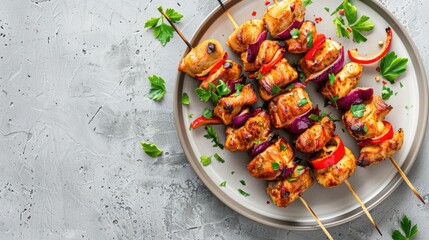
409 231
157 89
163 32
391 66
151 149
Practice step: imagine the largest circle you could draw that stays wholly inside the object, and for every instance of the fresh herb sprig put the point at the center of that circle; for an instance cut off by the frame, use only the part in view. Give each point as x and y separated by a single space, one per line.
409 231
163 32
214 92
151 149
157 89
391 66
212 134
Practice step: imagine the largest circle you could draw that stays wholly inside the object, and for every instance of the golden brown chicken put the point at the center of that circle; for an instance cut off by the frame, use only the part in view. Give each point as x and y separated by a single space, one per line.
268 51
373 154
202 58
337 173
244 35
269 164
229 71
279 17
231 106
370 124
281 75
344 81
243 138
284 192
316 137
299 45
287 106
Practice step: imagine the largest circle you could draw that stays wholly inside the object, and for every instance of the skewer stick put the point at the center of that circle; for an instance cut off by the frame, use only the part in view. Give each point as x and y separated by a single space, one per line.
362 206
275 1
228 14
316 218
175 28
406 180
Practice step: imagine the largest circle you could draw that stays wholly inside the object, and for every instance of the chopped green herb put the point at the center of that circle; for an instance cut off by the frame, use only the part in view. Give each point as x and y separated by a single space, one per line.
409 231
290 87
219 158
157 88
283 147
327 9
401 85
314 117
211 134
391 66
205 160
396 93
259 165
185 99
302 102
299 169
243 193
309 38
238 88
223 184
331 79
258 141
409 107
358 110
243 182
214 92
305 3
190 115
232 172
292 179
208 113
334 100
275 90
151 149
259 76
301 75
275 166
294 33
386 93
163 32
365 128
222 89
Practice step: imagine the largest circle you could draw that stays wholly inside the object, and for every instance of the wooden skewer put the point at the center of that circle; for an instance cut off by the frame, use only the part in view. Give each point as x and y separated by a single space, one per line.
316 218
228 14
406 180
362 205
275 1
175 28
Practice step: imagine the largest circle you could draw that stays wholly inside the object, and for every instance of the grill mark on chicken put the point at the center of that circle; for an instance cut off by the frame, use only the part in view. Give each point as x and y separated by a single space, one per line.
316 137
281 75
325 55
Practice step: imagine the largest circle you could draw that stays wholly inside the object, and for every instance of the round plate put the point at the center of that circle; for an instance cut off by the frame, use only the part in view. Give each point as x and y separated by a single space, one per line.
333 206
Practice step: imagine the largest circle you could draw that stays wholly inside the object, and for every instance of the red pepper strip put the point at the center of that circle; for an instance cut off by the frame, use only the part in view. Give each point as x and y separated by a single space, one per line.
215 67
200 121
265 68
320 39
332 158
353 54
386 135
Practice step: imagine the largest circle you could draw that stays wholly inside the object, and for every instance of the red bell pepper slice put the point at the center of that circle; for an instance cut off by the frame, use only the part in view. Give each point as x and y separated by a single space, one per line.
353 53
386 135
215 67
332 158
200 121
320 39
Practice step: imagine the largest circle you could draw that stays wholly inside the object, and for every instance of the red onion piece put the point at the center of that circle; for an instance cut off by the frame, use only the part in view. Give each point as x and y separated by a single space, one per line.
257 149
253 48
286 172
241 119
334 68
358 95
302 122
231 84
286 33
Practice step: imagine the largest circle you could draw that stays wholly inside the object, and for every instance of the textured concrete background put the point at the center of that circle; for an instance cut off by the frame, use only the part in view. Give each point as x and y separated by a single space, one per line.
74 106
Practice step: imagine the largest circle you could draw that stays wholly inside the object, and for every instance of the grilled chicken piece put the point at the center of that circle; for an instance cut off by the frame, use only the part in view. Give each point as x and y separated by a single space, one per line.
316 137
284 192
325 55
336 174
244 35
299 45
229 71
280 16
269 164
344 82
243 138
285 107
281 75
370 124
267 52
229 107
202 58
373 154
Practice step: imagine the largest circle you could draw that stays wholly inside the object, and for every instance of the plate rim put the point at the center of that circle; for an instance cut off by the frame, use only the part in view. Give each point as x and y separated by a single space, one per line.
338 220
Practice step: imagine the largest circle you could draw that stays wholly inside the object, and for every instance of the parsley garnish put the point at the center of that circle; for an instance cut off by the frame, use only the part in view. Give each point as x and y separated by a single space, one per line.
214 92
358 110
259 76
185 99
151 149
157 88
334 100
223 184
327 9
386 92
190 115
275 166
309 38
332 79
275 90
222 89
401 85
208 113
409 231
163 32
299 169
305 3
238 88
302 102
219 158
290 87
205 160
258 141
292 179
243 193
301 75
243 182
391 66
283 147
211 134
365 128
294 33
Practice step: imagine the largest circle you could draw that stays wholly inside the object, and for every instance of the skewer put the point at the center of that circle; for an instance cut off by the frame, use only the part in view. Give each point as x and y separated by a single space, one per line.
175 28
316 218
362 205
275 1
228 14
406 180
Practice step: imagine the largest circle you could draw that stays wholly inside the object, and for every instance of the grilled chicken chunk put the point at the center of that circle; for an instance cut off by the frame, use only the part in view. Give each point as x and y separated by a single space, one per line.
284 192
229 71
344 81
267 52
370 124
287 106
299 45
325 55
245 34
243 138
316 137
336 174
229 107
281 75
202 58
269 164
279 17
373 154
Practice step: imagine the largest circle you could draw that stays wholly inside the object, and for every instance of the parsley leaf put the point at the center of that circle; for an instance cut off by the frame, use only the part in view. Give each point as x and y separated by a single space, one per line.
391 66
365 128
309 38
327 9
222 89
358 110
219 158
185 99
283 147
332 79
211 134
151 23
238 88
243 193
386 93
334 100
173 15
223 184
275 166
214 92
409 231
205 160
190 115
203 94
163 32
302 102
151 149
208 113
157 89
294 33
301 75
275 90
243 182
305 3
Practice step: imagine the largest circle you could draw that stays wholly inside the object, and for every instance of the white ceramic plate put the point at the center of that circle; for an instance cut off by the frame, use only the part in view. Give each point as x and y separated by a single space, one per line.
336 205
